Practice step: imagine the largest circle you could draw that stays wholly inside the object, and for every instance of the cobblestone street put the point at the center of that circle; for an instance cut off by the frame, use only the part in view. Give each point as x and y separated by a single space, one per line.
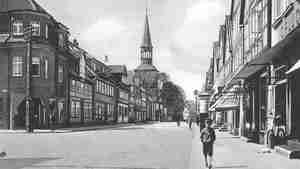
155 146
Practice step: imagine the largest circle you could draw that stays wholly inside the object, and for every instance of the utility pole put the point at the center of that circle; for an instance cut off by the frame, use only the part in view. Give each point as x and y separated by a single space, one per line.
28 35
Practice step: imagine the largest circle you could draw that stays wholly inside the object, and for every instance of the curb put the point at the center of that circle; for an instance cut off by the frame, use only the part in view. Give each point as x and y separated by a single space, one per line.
79 129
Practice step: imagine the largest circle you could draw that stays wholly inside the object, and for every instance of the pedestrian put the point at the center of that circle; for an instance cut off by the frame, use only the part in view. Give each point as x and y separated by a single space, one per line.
208 138
190 122
52 118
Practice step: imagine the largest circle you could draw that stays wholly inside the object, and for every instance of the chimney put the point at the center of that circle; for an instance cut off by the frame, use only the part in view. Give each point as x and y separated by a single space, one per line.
106 59
75 42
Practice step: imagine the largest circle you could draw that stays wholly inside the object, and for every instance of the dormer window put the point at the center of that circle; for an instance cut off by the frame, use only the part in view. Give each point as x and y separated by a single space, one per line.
17 28
36 28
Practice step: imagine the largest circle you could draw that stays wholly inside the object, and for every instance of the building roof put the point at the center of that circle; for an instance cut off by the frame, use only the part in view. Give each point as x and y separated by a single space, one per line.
146 67
11 5
147 36
118 69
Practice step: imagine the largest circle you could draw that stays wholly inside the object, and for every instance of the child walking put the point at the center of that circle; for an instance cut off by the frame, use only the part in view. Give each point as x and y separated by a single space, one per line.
208 138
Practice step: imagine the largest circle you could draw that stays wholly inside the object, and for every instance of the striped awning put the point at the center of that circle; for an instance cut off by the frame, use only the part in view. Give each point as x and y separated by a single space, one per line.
225 103
229 102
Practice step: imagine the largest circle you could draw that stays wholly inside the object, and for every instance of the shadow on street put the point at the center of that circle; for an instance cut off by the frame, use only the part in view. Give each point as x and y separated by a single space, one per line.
86 167
19 163
127 128
233 166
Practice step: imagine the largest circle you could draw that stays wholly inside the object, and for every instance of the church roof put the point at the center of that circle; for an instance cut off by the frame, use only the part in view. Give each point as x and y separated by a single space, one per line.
11 5
146 67
147 36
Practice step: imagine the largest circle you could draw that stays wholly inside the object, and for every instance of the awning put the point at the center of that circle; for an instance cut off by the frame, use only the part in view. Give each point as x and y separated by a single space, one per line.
212 108
228 103
267 56
294 68
225 103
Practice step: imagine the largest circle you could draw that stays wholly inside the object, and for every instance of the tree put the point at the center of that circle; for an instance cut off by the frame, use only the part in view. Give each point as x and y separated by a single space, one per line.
173 98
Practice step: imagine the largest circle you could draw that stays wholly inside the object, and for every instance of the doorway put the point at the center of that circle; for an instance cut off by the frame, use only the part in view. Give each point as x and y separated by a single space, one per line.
295 106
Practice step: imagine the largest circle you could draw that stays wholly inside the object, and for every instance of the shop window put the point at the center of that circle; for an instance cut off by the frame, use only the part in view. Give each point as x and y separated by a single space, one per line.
17 66
75 111
36 66
87 108
60 106
17 28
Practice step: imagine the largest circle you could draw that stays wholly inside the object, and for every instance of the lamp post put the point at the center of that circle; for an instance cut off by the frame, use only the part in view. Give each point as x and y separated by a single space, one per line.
28 35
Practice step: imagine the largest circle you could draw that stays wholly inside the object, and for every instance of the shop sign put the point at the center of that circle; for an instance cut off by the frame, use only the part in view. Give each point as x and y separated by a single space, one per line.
290 21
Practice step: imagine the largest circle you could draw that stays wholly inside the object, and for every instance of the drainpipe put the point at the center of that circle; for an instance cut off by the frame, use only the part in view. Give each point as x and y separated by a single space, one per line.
29 32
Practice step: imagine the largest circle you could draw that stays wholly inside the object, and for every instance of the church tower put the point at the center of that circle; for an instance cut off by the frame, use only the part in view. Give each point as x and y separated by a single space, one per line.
146 49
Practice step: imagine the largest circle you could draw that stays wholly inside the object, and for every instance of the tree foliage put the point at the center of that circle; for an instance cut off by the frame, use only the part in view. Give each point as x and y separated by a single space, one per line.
173 97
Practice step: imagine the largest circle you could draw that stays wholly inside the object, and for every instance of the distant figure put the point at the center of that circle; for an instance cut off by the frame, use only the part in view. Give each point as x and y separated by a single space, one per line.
208 138
3 154
190 122
52 118
178 120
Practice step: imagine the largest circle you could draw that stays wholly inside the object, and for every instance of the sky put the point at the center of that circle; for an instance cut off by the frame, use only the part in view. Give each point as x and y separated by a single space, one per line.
182 31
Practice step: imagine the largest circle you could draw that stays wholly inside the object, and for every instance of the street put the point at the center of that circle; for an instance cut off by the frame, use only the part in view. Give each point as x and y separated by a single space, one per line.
154 146
148 146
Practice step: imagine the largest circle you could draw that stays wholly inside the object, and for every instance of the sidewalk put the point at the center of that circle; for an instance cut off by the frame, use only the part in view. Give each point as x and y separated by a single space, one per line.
74 129
232 152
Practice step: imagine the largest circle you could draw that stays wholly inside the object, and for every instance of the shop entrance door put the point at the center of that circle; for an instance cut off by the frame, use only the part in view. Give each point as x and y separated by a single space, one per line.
280 102
2 113
295 107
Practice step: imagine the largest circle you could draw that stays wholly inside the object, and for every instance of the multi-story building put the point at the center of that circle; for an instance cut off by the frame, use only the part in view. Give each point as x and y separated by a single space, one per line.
33 64
104 92
248 35
119 75
262 72
284 67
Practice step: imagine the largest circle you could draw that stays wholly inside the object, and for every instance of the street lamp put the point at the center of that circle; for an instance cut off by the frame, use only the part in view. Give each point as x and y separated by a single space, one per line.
196 99
28 35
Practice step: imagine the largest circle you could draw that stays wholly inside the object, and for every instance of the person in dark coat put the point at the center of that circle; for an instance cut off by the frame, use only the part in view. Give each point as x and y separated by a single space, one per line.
208 138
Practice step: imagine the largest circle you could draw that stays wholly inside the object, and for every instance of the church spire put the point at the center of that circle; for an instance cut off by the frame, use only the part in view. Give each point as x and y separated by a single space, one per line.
147 36
146 47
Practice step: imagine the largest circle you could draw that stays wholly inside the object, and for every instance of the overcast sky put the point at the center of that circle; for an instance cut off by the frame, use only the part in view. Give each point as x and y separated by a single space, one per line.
182 32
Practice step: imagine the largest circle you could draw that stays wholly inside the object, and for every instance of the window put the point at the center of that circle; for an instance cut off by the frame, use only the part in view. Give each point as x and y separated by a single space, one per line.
75 111
17 28
35 68
61 40
46 31
102 87
46 68
87 108
60 106
36 28
17 69
94 67
60 73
